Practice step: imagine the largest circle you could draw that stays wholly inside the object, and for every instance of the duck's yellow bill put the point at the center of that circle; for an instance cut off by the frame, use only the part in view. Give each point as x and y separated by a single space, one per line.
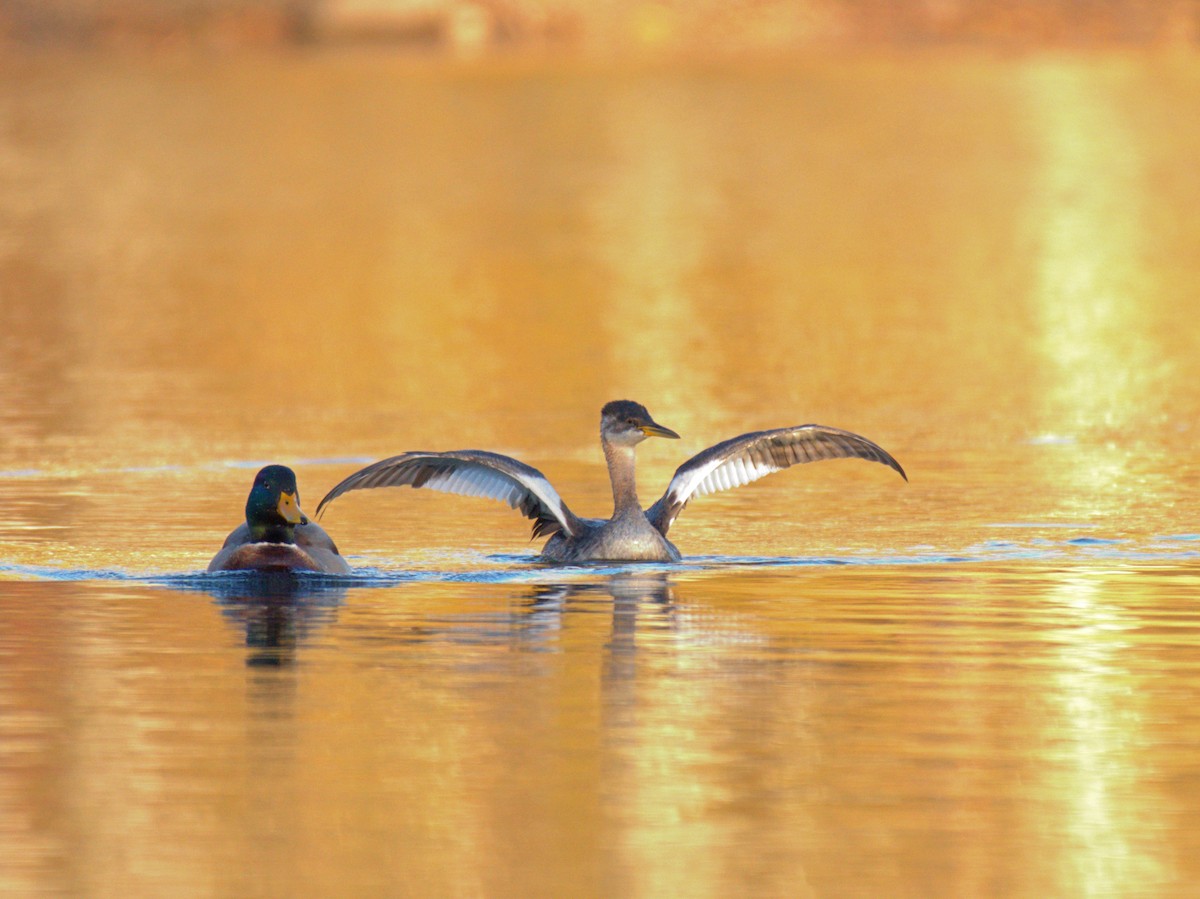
289 508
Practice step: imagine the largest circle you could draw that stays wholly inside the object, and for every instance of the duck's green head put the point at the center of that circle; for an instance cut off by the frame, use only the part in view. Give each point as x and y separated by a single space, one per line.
273 507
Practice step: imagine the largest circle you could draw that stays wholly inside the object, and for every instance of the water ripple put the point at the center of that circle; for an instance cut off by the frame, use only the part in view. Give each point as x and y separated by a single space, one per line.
526 568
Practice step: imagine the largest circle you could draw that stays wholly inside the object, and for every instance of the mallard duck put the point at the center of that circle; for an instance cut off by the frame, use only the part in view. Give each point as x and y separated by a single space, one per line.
276 535
633 533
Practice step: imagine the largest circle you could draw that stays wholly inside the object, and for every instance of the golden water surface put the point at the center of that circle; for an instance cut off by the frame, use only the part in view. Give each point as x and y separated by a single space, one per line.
980 683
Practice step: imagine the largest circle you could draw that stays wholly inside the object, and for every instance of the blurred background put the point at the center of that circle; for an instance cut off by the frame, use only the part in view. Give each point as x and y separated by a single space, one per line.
622 26
320 232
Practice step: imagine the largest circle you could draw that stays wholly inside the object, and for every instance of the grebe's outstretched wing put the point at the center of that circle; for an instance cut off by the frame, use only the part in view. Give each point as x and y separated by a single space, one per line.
741 460
470 473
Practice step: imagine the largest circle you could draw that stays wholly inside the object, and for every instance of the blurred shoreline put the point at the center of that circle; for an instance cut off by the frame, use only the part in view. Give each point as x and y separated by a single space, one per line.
618 27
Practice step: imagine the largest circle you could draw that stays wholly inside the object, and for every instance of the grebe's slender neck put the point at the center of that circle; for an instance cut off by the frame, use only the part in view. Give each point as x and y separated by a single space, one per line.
621 472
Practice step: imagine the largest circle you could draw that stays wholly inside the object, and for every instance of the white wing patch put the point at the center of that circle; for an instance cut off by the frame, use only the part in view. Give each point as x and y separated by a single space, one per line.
474 480
731 473
542 489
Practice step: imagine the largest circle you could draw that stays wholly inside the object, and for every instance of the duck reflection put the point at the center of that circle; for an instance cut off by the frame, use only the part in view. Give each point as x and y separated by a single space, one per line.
278 610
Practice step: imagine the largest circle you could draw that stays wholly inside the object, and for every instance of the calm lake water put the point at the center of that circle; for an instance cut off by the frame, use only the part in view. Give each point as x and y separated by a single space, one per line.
980 683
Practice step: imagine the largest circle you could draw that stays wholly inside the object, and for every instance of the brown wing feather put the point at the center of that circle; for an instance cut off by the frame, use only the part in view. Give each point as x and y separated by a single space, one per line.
469 473
747 458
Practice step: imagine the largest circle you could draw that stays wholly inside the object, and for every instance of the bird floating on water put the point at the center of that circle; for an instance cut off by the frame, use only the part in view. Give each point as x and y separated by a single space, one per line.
633 533
276 535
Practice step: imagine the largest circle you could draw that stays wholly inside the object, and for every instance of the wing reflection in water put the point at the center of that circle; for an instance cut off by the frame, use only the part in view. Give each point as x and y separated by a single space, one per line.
634 594
278 610
544 616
